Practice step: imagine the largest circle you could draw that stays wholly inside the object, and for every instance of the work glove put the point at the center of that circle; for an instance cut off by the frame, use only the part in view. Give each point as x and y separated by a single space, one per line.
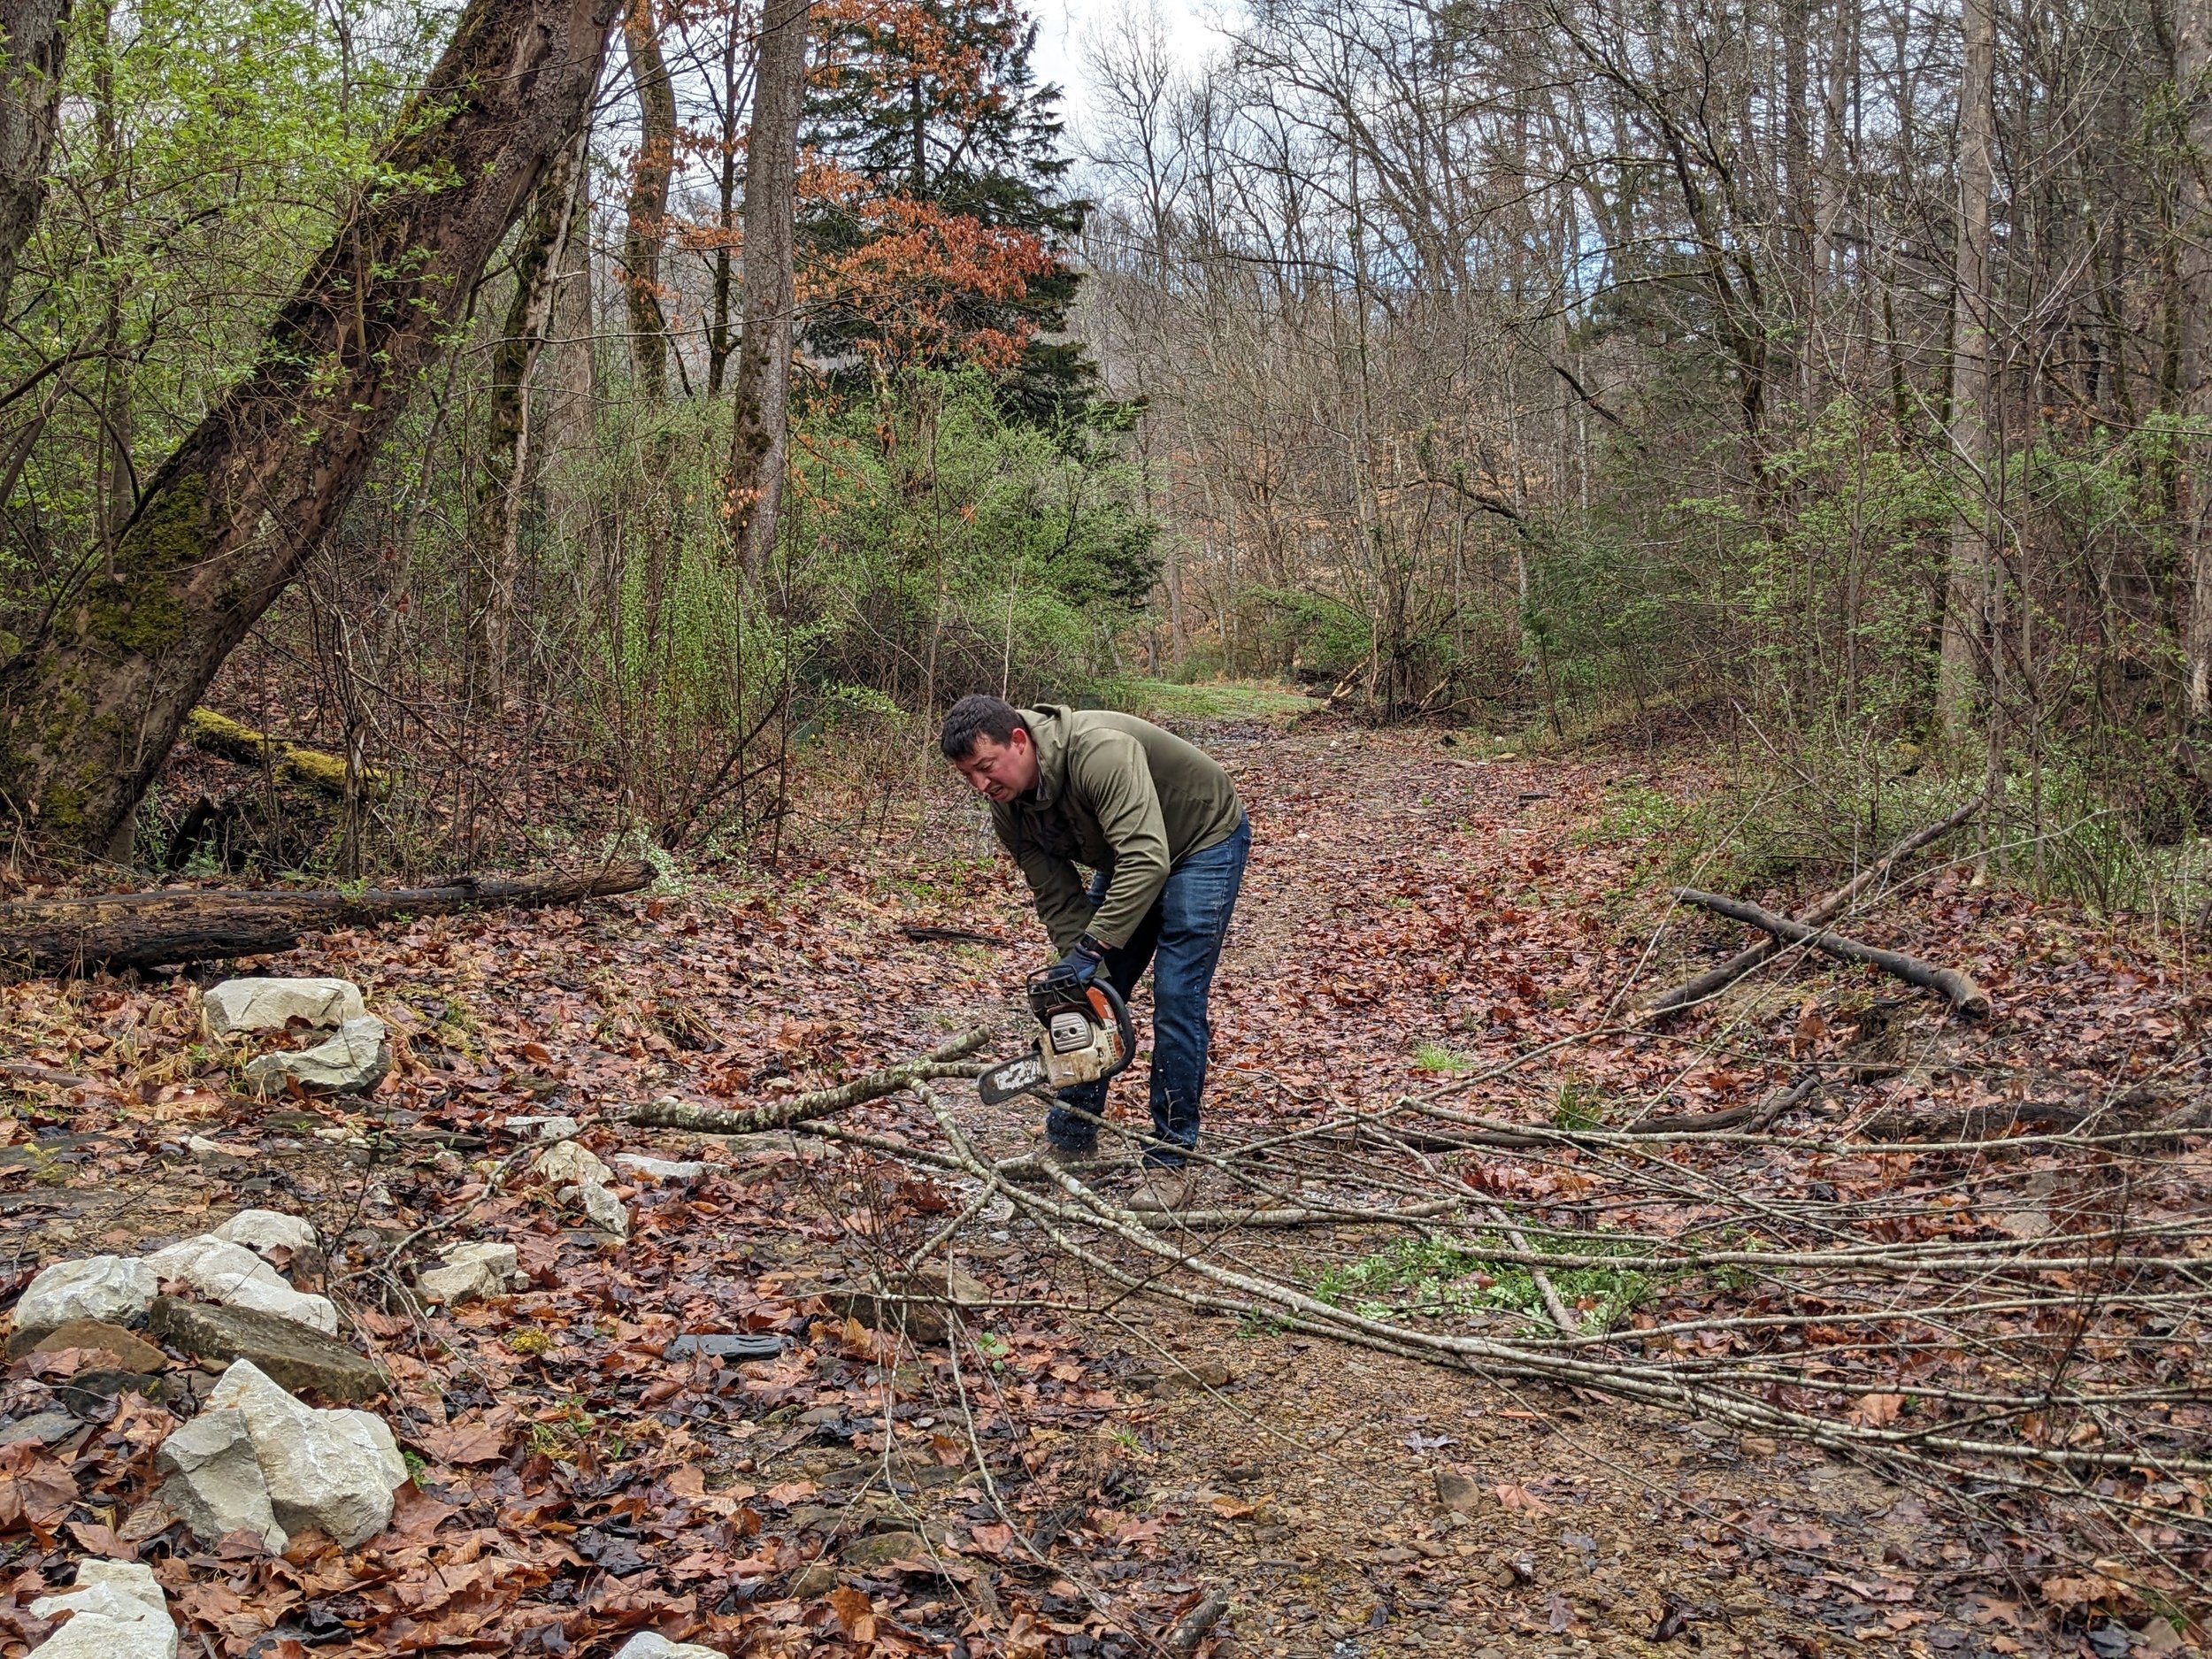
1085 963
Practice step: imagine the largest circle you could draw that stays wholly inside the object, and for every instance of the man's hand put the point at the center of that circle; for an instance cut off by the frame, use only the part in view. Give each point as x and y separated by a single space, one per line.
1085 962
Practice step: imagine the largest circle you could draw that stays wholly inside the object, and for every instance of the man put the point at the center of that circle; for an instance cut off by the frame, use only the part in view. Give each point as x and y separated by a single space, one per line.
1158 824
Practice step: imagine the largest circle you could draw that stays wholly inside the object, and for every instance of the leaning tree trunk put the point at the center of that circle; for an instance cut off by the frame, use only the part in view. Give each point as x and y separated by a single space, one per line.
495 561
89 708
33 34
762 435
2192 78
648 200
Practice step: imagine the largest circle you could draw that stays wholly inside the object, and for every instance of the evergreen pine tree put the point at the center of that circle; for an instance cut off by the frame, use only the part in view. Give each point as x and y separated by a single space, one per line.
930 116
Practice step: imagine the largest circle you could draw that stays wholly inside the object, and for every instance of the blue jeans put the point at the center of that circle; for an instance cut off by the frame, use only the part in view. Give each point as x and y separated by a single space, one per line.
1180 938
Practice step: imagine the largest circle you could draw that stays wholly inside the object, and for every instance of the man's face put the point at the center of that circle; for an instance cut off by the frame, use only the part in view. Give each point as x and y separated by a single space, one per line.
1002 770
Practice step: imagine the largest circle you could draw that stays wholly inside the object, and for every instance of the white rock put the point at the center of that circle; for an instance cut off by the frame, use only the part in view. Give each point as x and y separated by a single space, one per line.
352 1063
501 1258
542 1128
235 1276
661 1169
267 1230
118 1289
215 1484
117 1612
599 1205
457 1282
573 1160
649 1644
269 1004
331 1470
200 1144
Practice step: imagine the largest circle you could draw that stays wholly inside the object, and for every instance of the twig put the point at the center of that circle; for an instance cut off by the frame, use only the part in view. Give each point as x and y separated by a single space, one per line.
1184 1639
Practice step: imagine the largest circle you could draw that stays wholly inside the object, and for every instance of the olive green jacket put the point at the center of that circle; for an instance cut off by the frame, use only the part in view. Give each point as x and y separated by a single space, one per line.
1120 794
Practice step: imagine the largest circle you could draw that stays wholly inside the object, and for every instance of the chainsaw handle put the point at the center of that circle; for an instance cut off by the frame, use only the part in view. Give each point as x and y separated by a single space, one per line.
1108 1001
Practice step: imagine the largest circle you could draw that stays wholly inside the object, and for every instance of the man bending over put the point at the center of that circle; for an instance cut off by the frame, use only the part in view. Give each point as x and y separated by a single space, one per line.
1157 823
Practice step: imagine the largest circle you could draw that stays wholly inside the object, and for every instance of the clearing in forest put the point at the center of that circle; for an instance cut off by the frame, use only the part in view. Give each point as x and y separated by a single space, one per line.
1818 1320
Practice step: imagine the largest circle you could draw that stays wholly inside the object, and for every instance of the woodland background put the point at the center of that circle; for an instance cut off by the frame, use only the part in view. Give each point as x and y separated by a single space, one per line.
1829 382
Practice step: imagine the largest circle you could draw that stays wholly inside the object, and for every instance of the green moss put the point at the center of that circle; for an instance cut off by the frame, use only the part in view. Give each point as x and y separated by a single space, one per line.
139 610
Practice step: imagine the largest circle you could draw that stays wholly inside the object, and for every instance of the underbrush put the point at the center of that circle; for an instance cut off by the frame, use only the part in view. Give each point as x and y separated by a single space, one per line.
1444 1277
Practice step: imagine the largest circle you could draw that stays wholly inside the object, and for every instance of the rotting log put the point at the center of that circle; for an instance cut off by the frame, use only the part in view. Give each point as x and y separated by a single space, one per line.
949 1061
1714 981
163 928
1960 990
317 769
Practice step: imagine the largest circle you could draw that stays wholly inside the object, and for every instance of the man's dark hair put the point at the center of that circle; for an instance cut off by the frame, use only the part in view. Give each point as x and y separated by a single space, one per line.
975 717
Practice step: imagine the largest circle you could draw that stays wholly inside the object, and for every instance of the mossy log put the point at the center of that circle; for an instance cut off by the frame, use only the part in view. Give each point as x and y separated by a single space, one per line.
181 924
316 769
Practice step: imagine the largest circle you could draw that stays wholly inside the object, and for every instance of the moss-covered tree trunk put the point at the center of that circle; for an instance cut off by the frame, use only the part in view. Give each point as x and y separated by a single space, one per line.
92 705
649 175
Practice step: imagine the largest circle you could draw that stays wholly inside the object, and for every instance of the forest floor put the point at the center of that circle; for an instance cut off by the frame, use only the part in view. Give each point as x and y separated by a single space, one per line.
1080 1468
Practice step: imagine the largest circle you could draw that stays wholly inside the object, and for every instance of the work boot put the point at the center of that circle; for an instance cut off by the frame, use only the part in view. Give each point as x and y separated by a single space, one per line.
1163 1190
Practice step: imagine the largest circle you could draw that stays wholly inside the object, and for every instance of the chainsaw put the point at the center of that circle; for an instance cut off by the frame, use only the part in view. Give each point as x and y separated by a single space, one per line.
1084 1036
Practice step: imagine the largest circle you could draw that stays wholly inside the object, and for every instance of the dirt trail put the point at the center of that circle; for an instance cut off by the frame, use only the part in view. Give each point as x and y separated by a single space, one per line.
1304 1474
1088 1465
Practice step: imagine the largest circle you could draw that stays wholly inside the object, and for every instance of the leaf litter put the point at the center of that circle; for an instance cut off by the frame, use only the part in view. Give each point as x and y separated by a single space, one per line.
1428 953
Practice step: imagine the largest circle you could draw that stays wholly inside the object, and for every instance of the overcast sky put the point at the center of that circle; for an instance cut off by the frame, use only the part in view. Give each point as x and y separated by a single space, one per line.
1063 26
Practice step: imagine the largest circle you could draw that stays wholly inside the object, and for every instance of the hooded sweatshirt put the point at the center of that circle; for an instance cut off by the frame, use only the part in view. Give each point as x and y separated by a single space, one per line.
1118 794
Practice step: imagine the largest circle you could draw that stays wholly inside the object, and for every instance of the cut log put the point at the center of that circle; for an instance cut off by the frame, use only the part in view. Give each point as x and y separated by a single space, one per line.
1717 980
1962 993
159 929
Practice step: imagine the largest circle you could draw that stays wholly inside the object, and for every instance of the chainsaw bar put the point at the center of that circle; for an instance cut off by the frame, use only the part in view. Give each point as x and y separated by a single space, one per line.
1025 1076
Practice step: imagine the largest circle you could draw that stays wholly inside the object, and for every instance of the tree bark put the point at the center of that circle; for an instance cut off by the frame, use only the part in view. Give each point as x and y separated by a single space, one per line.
1956 988
33 38
495 562
1969 588
147 930
91 706
2192 80
649 175
761 438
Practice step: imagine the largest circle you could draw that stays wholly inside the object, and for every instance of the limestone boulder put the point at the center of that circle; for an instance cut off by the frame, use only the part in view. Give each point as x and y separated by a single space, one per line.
292 1354
263 1230
469 1273
214 1483
572 1160
333 1471
271 1004
641 1168
234 1275
117 1289
352 1063
599 1206
117 1611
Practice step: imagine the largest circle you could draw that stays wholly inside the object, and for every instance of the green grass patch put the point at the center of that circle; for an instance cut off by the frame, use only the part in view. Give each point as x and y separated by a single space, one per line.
1219 700
1434 1057
1445 1279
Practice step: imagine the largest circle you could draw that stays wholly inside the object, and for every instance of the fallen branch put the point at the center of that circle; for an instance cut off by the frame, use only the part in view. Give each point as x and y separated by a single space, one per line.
721 1120
181 924
1966 996
1717 980
317 769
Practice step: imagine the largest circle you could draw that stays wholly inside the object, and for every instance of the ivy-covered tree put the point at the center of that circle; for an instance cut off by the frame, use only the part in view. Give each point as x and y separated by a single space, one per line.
935 219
